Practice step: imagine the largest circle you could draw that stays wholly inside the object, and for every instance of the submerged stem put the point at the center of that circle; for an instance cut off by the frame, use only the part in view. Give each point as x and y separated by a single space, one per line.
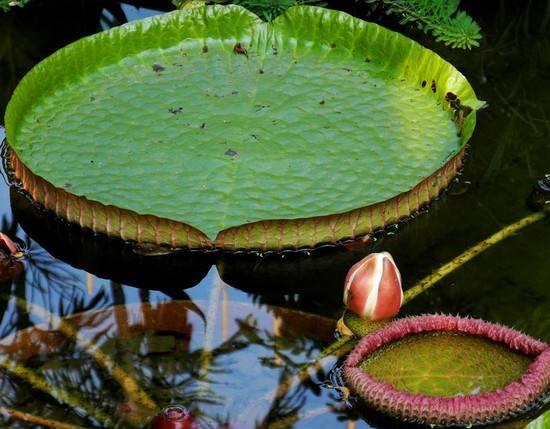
336 349
467 255
36 420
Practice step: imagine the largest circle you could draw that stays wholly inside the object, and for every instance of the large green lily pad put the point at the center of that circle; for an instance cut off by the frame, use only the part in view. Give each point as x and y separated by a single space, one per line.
209 127
446 364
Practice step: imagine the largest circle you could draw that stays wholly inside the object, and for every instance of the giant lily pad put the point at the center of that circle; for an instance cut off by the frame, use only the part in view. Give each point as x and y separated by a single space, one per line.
210 128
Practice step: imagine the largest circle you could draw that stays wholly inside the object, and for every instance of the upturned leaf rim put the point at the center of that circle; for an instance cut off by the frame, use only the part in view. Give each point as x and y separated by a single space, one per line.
515 399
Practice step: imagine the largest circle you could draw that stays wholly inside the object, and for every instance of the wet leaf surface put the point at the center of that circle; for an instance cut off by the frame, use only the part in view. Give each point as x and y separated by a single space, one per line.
237 145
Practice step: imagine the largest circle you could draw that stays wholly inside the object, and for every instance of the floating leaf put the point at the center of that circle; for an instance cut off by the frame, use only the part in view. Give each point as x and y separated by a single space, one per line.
208 127
449 371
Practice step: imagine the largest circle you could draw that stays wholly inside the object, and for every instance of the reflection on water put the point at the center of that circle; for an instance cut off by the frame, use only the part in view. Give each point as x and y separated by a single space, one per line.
225 369
222 359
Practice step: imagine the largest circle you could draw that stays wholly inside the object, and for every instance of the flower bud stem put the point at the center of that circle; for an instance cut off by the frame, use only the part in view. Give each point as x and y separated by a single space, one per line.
469 254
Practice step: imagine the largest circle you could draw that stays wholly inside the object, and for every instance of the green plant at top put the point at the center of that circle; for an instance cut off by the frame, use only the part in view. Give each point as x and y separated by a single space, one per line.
268 10
6 5
441 18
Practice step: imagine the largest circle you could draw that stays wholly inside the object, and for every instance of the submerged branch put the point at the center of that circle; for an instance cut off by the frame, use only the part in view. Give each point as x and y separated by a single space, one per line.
130 387
36 420
60 395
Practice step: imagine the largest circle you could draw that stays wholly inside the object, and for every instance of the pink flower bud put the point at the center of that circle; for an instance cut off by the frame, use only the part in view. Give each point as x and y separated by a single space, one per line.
373 287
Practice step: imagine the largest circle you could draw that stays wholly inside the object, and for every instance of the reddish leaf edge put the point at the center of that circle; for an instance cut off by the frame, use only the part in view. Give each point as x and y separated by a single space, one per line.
263 236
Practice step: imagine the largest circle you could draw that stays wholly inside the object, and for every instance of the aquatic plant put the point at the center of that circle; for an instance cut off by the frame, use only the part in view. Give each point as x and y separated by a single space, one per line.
442 19
452 404
352 327
449 25
184 204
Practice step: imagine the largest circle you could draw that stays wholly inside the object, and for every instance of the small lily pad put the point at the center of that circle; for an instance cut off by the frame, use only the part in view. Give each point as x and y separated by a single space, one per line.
449 371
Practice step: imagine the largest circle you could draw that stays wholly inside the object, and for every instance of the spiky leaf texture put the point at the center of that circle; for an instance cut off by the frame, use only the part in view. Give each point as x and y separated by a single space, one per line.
449 371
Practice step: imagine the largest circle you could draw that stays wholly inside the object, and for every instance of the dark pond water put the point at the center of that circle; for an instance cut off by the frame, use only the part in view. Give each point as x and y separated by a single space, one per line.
237 313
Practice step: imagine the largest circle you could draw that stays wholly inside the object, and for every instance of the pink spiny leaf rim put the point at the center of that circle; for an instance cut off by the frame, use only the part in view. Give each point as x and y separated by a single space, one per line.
482 408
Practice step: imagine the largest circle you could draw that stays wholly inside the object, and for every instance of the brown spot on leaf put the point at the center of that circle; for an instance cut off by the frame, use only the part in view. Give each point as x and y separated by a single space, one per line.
239 49
157 68
231 153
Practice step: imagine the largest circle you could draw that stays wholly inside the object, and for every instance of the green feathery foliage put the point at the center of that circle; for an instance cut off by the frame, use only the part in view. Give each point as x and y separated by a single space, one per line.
6 5
440 17
268 10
